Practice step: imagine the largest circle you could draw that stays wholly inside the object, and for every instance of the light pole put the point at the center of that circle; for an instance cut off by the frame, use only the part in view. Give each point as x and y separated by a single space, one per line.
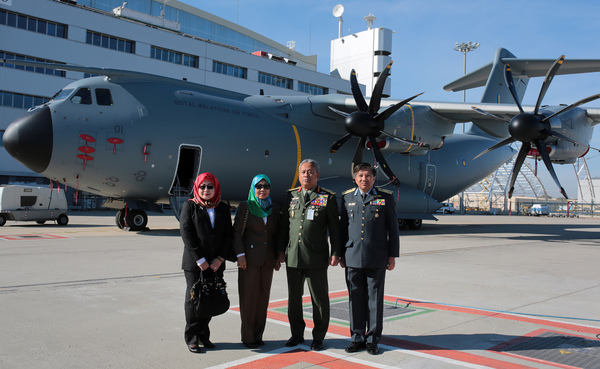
464 48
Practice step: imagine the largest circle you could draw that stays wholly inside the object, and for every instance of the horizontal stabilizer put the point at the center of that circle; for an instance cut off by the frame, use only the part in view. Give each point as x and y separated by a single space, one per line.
528 67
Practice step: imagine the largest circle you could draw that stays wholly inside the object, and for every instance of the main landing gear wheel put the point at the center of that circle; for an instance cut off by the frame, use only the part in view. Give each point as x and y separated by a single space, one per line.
136 219
2 220
402 224
120 218
415 224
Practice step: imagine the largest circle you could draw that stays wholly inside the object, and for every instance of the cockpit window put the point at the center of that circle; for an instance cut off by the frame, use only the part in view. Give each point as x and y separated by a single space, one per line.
62 94
82 96
104 97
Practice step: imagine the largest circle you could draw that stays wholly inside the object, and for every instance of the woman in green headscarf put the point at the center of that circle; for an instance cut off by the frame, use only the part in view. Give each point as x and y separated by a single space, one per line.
256 228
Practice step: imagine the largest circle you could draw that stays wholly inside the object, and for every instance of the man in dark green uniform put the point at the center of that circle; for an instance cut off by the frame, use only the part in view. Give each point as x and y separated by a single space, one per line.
309 213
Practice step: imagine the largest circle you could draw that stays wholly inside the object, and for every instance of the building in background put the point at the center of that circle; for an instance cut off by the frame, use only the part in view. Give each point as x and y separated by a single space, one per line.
171 39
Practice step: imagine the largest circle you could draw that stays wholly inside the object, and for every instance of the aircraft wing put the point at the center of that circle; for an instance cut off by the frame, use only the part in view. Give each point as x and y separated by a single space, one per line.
529 67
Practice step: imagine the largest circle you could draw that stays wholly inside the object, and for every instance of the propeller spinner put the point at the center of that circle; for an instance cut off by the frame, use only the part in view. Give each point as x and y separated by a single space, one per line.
533 128
367 123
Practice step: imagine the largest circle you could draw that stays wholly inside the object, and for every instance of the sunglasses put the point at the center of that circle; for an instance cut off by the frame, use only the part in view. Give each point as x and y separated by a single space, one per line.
206 187
261 186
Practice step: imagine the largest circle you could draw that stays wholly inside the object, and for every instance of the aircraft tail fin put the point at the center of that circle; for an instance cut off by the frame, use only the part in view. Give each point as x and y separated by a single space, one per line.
492 75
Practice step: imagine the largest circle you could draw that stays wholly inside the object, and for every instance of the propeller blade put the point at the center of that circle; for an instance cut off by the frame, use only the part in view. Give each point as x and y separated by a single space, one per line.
544 153
392 109
382 162
375 102
574 105
358 154
511 86
409 142
337 144
483 112
358 96
563 137
499 144
342 113
517 167
547 80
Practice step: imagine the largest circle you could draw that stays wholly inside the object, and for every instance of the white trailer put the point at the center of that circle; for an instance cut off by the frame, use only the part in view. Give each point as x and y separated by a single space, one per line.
30 203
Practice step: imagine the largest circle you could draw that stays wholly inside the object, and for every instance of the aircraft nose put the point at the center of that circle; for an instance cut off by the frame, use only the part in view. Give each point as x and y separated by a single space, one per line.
29 139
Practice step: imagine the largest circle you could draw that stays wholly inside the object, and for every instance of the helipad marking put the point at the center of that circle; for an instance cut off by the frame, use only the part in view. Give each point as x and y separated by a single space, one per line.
28 237
277 313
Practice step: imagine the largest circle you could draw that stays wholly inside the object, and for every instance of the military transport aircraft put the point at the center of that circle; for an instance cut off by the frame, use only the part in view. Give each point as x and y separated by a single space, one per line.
140 140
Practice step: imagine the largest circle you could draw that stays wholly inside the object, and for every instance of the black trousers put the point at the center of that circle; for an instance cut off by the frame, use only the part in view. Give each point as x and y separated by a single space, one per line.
365 289
196 330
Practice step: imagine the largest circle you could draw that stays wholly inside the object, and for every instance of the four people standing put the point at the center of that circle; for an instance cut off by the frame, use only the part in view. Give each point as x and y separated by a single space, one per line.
308 237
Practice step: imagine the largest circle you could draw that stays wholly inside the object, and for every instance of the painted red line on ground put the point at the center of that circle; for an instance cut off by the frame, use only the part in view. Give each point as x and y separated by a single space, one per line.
23 237
293 357
494 314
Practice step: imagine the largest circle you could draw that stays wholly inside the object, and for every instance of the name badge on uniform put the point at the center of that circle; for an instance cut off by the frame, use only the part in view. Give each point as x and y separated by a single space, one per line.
310 214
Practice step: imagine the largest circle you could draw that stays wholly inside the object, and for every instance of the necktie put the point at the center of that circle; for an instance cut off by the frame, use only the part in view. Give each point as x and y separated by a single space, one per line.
364 196
306 197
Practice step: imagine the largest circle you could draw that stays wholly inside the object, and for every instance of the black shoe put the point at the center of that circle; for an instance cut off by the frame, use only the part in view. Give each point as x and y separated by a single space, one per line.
250 345
194 348
372 349
208 344
317 345
294 341
260 342
355 347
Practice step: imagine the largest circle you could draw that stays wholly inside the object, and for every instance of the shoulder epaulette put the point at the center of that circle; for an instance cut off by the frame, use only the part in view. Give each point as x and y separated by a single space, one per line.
326 190
293 189
349 191
385 191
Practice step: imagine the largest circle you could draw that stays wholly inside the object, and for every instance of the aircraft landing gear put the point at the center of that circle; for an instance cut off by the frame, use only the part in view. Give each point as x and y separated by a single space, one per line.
414 224
134 219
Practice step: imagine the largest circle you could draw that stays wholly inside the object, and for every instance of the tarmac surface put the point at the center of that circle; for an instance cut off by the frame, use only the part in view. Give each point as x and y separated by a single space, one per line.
467 291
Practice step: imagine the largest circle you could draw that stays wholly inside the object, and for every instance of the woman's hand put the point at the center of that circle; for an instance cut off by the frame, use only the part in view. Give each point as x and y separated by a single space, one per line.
204 266
215 264
241 262
277 265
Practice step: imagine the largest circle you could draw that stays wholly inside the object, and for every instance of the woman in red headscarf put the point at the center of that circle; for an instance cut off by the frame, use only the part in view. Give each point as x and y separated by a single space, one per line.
206 230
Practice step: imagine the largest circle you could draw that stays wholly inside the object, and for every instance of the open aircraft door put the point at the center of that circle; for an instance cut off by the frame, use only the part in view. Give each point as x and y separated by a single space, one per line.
188 168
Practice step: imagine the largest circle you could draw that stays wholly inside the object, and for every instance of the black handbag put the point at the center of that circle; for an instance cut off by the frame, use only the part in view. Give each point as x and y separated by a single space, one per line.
208 297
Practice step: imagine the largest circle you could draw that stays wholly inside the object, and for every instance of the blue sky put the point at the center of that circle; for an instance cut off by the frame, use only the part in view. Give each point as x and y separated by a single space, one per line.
425 34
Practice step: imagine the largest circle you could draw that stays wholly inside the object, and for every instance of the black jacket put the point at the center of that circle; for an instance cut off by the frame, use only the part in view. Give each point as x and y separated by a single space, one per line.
200 239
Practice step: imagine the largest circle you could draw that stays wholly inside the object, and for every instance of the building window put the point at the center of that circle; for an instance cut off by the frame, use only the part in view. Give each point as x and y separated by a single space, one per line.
33 24
312 89
41 70
174 57
230 70
20 101
110 42
274 80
